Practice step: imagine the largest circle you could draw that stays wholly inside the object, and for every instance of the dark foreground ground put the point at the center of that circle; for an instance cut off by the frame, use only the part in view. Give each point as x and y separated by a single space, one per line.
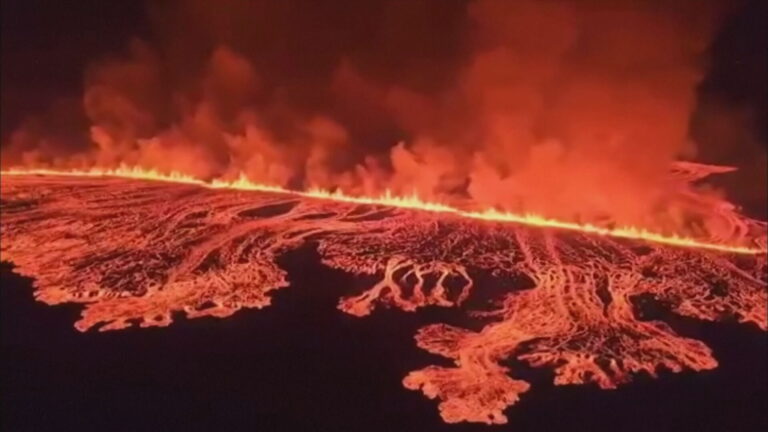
302 365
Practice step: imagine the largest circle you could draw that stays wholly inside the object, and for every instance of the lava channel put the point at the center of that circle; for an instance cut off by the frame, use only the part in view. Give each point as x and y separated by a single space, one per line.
136 251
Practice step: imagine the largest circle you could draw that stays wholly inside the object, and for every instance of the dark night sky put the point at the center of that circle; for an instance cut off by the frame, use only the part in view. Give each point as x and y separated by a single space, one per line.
47 45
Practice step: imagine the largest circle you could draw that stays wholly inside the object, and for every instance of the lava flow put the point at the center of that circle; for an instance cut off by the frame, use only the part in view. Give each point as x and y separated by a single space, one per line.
133 250
412 202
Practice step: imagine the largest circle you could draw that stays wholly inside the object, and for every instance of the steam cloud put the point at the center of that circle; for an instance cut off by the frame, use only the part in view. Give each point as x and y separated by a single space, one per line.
558 107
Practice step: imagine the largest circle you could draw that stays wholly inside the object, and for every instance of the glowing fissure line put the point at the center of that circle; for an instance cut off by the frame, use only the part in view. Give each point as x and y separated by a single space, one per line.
387 199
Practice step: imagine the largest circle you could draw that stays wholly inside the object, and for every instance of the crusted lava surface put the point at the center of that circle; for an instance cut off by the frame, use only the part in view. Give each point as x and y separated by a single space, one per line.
136 252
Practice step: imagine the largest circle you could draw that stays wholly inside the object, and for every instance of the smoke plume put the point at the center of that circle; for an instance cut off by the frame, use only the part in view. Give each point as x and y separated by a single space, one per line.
565 108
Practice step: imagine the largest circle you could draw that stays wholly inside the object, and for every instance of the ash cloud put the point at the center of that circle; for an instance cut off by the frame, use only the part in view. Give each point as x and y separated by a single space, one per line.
570 109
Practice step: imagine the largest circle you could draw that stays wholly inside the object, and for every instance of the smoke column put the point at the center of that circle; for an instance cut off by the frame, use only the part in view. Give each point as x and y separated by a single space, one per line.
571 109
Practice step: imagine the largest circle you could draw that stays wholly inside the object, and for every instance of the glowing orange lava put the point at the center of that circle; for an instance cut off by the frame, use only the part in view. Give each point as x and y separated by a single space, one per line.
136 252
387 199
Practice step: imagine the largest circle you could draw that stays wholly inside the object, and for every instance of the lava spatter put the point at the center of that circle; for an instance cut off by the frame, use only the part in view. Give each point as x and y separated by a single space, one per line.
135 251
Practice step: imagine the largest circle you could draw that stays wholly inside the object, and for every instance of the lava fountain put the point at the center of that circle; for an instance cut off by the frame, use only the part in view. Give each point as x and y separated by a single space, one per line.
135 247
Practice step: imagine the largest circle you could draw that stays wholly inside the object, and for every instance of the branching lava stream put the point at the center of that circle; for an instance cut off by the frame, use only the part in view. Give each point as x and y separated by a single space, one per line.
135 251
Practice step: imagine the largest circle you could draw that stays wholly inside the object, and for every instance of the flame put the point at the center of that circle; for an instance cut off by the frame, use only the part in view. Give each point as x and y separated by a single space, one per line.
388 199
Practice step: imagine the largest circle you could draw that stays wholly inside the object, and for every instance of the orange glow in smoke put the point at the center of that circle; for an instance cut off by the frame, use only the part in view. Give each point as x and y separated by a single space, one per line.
387 199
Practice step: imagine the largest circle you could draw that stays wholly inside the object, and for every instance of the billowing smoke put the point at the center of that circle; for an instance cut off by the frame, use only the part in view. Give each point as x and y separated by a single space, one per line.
569 109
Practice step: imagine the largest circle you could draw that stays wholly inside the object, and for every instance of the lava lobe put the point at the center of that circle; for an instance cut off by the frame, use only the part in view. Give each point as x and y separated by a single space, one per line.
135 252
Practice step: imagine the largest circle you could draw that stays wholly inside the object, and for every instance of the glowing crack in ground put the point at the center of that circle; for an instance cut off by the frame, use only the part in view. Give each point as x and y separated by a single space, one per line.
136 251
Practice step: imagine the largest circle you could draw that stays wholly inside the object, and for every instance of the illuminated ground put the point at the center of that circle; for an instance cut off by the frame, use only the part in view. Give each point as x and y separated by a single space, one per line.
134 251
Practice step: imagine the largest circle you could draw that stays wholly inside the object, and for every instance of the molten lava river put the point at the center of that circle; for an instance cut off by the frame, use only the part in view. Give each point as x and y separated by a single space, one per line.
135 251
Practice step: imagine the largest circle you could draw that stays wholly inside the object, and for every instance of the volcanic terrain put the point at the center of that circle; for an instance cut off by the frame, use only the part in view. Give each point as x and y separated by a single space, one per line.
136 252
